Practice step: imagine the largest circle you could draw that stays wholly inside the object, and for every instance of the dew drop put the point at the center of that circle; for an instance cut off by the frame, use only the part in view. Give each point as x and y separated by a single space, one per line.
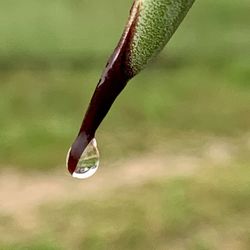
88 162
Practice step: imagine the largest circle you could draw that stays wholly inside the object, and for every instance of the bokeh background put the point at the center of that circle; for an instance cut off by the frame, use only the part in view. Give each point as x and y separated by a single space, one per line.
175 169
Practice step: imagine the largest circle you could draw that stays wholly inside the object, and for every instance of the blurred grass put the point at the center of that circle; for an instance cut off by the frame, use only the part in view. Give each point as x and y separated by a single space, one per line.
51 56
206 211
52 53
82 33
43 111
164 215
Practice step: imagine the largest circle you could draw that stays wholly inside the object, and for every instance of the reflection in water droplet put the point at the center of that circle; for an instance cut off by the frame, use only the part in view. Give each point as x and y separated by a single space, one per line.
88 162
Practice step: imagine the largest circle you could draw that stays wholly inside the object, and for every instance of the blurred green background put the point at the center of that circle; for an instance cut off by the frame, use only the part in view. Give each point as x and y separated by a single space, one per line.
174 149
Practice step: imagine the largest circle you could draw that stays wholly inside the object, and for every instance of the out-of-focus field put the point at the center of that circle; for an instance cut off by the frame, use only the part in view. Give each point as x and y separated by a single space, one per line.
175 148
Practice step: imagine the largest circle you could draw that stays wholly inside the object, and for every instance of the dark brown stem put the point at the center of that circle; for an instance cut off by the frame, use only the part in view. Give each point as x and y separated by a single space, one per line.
114 78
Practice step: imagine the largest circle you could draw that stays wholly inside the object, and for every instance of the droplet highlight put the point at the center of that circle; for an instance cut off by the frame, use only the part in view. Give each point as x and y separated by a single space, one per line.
88 162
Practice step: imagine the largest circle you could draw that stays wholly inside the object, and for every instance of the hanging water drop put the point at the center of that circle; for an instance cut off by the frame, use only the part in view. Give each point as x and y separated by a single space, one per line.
88 162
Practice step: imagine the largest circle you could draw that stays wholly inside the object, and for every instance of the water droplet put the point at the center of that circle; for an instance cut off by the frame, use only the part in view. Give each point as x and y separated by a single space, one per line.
88 162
